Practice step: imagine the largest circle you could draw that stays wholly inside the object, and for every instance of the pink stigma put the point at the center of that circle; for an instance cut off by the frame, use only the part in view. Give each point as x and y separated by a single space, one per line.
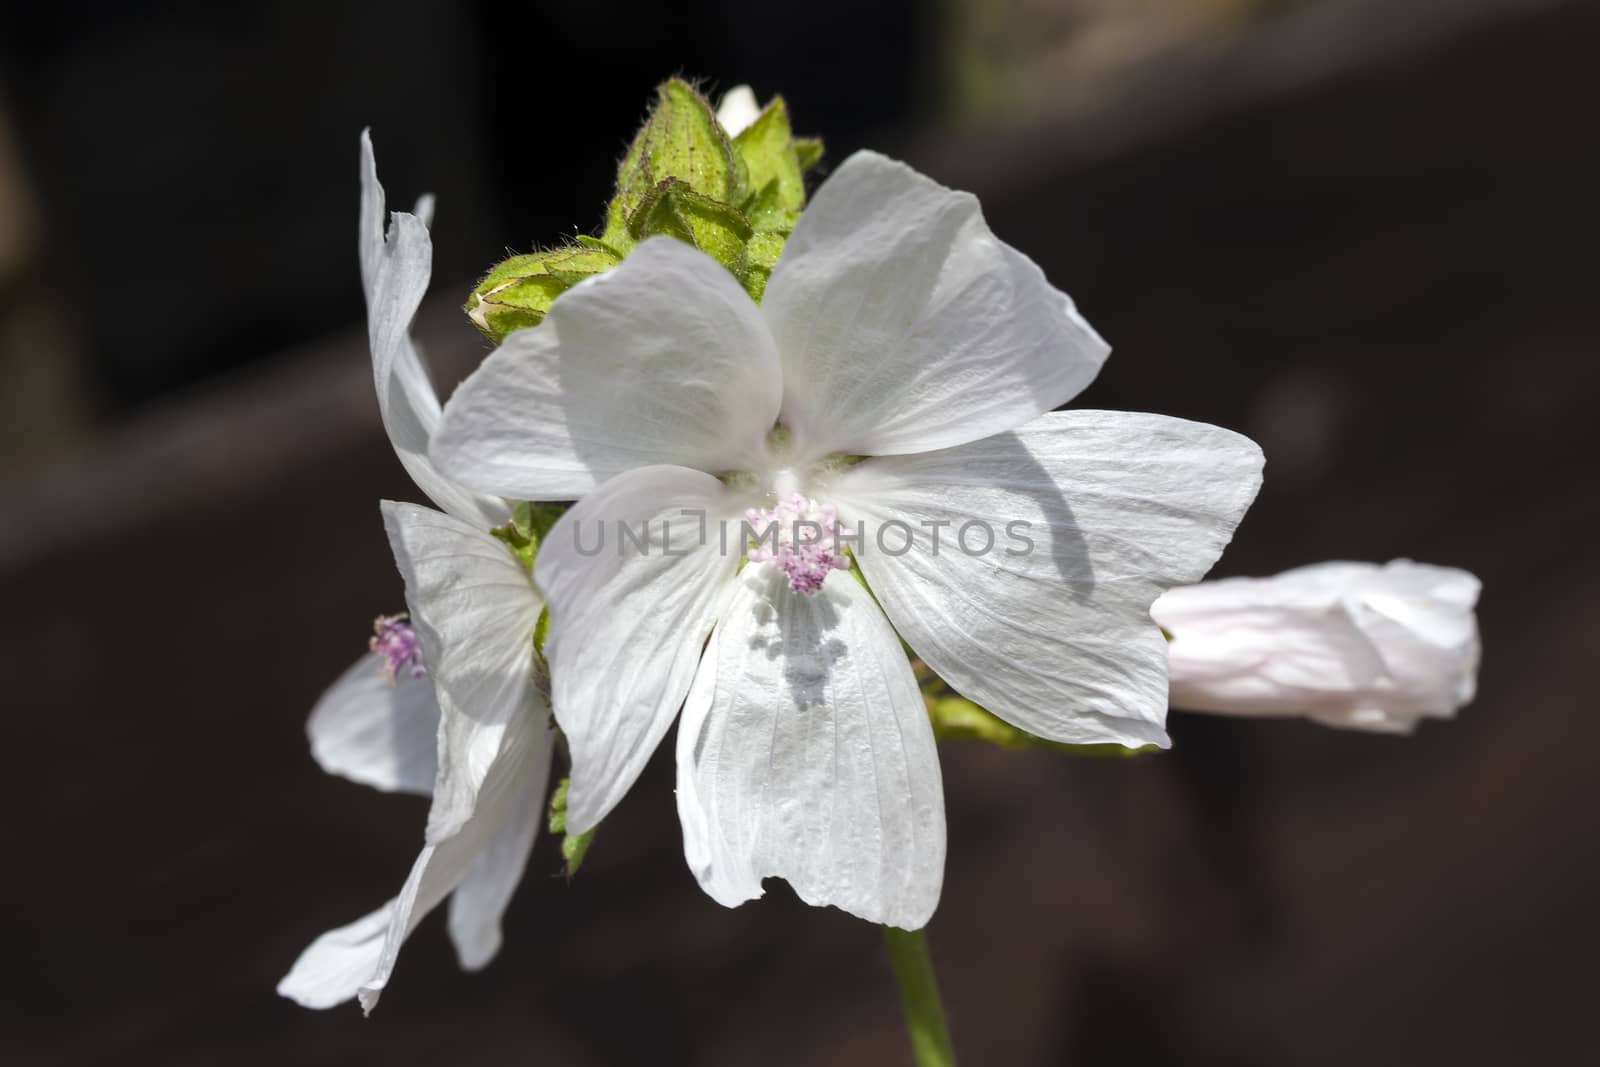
395 640
798 537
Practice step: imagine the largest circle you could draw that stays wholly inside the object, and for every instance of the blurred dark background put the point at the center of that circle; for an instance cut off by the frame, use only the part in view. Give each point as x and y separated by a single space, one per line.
1363 232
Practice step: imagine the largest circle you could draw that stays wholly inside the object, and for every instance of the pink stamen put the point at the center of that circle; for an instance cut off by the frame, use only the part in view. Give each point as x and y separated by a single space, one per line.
798 538
395 640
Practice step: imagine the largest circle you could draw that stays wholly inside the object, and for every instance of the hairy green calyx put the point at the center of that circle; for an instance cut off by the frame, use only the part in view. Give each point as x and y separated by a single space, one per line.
734 198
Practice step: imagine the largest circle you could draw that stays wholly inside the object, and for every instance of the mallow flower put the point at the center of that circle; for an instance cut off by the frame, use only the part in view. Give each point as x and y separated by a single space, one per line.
447 701
1357 645
899 377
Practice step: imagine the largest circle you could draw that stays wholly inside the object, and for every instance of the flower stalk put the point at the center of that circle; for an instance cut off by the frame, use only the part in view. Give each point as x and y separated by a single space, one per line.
919 997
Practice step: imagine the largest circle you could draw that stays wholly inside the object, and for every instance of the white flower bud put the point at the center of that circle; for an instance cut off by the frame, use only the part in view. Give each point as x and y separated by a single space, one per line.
1356 645
738 109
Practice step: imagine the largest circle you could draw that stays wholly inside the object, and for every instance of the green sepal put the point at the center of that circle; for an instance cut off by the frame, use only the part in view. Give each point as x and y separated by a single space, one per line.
955 718
717 229
760 256
958 719
808 150
521 546
530 521
616 235
680 140
573 265
574 847
541 630
735 199
766 210
598 245
767 147
518 291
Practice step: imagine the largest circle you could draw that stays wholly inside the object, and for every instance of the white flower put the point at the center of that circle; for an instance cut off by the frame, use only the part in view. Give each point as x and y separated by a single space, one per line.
1356 645
738 109
472 727
896 327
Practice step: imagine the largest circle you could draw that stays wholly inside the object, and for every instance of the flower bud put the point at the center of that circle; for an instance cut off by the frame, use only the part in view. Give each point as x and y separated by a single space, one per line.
519 290
1356 645
737 110
730 184
681 141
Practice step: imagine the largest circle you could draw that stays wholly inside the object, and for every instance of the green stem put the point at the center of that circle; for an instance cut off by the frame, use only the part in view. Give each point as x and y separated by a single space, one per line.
919 997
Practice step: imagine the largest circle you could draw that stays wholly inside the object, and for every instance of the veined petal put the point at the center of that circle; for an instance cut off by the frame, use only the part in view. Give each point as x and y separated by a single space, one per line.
480 900
446 862
905 325
805 753
475 608
1054 542
633 573
333 968
1355 645
375 731
358 959
663 359
394 275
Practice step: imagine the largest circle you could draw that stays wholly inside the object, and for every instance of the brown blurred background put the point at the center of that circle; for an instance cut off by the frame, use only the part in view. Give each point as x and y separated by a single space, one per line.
1363 232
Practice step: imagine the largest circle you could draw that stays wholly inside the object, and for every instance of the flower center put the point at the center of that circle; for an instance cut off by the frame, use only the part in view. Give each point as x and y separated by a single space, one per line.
394 638
798 537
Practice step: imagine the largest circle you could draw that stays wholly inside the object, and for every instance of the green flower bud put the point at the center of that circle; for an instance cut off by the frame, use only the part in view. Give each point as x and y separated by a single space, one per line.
736 199
680 140
519 290
717 229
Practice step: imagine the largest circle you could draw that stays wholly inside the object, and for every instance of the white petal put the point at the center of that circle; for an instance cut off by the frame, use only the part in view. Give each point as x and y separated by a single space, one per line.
805 753
1356 645
334 967
738 109
481 862
1056 638
627 625
377 732
480 900
447 861
905 325
475 608
394 275
664 359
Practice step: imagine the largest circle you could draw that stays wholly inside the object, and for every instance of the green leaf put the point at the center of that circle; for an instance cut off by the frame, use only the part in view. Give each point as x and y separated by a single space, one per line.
680 140
767 147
